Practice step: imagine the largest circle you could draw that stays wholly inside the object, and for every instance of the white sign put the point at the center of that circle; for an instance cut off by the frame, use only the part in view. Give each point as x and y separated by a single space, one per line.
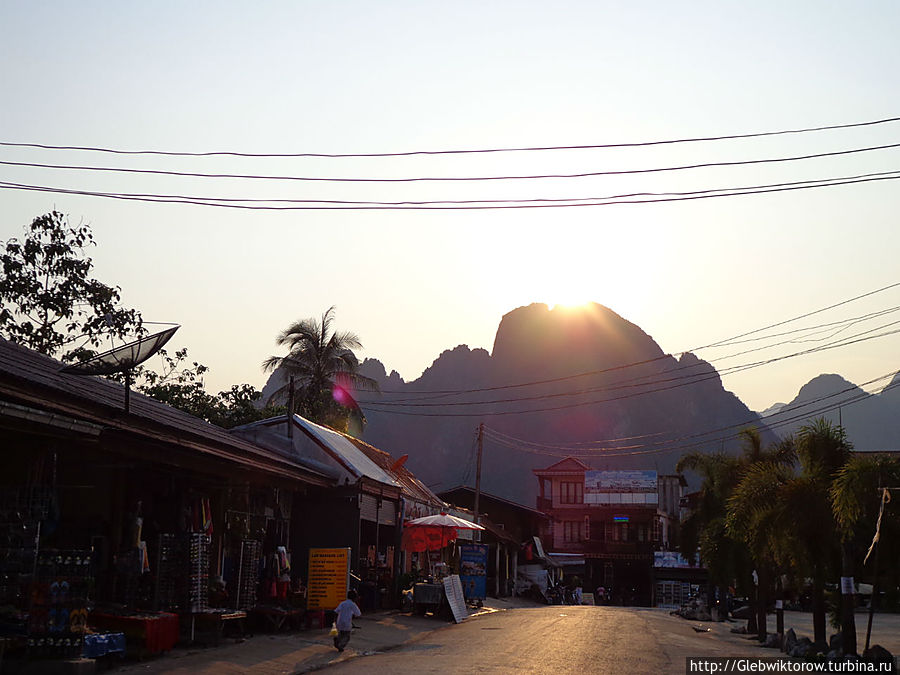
454 591
619 481
847 586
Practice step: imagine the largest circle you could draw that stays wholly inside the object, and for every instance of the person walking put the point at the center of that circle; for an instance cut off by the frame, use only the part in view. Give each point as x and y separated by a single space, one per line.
344 621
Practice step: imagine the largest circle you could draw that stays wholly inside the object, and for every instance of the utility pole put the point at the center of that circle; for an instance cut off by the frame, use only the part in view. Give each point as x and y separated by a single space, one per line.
478 472
290 410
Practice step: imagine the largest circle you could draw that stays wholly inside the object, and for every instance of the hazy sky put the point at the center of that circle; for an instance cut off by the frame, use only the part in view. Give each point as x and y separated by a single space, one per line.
366 77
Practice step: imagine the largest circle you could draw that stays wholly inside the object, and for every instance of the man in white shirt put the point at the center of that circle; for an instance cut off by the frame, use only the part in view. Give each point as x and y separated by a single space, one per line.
344 622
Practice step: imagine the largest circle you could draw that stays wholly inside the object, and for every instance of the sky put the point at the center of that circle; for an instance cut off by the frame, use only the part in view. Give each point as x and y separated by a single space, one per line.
363 77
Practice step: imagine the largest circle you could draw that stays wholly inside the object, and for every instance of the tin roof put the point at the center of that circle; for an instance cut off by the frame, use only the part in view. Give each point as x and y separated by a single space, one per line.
34 380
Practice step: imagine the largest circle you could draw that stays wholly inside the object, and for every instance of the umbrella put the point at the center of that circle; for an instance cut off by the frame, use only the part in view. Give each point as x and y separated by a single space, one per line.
432 533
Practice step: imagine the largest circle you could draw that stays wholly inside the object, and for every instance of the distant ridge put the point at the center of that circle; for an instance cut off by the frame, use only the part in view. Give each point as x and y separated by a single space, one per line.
536 343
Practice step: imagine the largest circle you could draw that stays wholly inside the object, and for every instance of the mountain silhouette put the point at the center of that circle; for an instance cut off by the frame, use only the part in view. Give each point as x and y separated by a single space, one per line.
600 377
870 421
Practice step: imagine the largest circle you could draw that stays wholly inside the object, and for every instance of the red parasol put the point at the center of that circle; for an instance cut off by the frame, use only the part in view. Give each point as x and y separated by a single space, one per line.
432 533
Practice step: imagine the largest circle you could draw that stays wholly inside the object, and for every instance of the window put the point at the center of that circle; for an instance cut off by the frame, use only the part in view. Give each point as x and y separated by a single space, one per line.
571 493
573 531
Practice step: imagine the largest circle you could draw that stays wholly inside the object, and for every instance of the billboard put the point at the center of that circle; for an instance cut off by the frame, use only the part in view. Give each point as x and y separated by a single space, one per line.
672 559
620 487
619 481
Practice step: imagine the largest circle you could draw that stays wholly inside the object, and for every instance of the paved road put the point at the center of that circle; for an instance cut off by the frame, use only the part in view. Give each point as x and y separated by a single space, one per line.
560 640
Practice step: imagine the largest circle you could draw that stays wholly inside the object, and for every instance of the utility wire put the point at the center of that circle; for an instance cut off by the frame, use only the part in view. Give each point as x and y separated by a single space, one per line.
723 342
335 179
715 375
483 207
615 452
769 422
650 378
215 201
172 153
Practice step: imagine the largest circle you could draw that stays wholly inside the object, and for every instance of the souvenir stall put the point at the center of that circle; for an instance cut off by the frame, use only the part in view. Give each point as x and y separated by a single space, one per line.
433 534
43 592
255 559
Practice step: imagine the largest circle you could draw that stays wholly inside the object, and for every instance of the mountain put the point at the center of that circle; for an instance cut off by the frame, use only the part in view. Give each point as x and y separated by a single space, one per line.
869 420
659 404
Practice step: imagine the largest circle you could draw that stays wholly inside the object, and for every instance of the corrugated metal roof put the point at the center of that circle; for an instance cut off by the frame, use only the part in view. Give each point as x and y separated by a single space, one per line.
357 460
29 377
412 487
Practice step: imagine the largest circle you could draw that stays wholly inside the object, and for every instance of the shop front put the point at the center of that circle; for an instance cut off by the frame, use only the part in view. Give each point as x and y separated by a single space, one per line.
161 523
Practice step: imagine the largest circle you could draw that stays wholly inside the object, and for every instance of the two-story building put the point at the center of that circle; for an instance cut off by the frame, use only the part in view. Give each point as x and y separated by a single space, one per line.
616 520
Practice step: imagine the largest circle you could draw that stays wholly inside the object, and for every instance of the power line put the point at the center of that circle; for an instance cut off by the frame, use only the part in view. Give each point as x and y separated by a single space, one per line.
634 364
769 422
650 378
335 179
216 201
714 375
231 153
617 202
617 452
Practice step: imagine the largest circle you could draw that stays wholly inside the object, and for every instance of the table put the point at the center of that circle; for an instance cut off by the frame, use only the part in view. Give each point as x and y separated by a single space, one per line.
214 621
277 617
427 597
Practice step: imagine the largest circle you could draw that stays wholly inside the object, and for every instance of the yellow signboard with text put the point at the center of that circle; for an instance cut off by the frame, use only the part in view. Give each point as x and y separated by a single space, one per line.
329 569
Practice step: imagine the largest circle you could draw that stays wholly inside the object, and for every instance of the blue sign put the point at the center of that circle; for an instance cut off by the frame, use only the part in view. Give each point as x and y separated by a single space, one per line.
473 570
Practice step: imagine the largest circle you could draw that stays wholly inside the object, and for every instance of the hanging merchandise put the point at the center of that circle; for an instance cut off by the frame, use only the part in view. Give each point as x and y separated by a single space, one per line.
170 563
247 574
206 523
59 598
198 572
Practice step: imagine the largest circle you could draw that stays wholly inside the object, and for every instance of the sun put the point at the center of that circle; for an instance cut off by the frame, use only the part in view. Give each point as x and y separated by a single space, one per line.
570 304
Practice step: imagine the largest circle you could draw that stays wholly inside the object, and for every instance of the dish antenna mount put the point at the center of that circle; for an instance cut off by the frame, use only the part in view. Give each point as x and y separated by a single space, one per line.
123 359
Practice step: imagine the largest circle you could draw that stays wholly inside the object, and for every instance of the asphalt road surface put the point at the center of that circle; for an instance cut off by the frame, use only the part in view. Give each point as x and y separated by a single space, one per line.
558 640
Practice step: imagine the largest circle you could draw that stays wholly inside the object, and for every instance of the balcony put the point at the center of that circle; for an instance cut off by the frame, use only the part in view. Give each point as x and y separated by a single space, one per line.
612 547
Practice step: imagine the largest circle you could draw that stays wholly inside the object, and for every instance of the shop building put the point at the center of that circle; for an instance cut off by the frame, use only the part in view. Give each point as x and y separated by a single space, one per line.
616 520
363 510
508 526
155 504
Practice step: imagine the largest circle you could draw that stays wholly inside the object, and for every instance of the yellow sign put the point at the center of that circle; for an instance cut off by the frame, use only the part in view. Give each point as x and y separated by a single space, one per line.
328 570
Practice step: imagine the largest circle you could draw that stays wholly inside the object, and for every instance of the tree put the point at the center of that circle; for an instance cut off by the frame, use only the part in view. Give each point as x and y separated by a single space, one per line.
48 299
324 370
50 303
856 500
749 514
785 515
823 450
724 548
181 386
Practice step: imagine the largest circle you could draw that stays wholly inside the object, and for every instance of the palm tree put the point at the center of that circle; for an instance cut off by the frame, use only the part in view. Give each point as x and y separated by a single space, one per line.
786 515
725 554
321 363
749 514
823 450
857 504
704 528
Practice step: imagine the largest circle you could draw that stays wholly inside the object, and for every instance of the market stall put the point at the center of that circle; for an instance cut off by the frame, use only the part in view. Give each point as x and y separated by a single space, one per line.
433 534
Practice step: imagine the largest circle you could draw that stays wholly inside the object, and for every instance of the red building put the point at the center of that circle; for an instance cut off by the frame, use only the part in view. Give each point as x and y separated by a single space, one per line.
616 520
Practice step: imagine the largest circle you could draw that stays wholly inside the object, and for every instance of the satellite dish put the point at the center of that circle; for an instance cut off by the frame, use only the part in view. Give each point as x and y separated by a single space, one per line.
122 359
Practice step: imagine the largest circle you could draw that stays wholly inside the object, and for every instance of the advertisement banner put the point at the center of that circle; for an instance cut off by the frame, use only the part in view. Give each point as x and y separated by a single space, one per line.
619 481
329 569
473 570
620 487
672 559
